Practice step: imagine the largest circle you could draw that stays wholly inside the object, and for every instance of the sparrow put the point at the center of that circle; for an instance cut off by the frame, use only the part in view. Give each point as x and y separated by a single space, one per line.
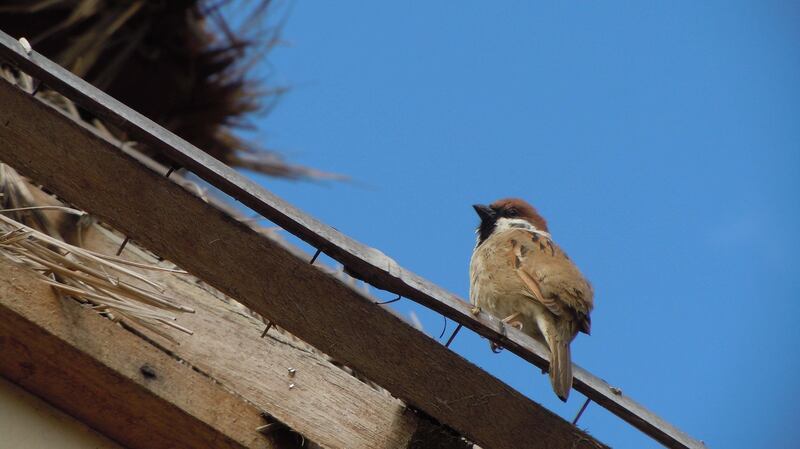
521 276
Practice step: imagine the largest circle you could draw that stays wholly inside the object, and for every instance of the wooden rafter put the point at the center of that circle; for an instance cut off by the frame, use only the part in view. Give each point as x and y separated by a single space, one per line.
137 396
96 175
222 374
367 263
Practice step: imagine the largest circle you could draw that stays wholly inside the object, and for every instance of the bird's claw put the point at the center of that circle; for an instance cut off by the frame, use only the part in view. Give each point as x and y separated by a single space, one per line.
475 310
497 349
512 320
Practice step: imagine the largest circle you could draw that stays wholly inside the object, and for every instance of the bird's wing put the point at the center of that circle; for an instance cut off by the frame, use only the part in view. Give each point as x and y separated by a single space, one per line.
551 278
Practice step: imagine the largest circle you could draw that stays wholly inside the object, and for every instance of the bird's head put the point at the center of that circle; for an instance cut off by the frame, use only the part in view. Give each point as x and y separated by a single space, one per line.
506 214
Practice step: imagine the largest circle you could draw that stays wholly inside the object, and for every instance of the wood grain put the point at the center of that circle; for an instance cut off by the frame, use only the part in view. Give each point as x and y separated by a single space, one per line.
324 403
94 370
360 260
317 399
93 174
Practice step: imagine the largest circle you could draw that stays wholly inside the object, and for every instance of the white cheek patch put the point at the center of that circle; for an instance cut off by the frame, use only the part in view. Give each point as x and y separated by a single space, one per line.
507 224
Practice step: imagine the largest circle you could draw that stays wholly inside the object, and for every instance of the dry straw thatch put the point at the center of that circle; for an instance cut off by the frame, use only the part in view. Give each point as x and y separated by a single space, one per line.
32 234
111 285
35 233
178 62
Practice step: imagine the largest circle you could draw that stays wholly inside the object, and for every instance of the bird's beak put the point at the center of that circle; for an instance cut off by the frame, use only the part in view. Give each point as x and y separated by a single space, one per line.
485 212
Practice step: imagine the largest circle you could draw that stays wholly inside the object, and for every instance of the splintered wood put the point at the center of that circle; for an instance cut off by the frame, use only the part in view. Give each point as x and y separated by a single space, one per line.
164 217
312 398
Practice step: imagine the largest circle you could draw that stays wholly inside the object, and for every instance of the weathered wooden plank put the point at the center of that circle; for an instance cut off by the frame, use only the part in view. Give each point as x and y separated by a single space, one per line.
365 262
95 370
317 399
93 174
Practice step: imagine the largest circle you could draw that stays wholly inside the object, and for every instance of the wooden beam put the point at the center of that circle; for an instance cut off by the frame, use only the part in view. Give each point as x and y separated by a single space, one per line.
291 381
89 171
319 400
365 262
138 396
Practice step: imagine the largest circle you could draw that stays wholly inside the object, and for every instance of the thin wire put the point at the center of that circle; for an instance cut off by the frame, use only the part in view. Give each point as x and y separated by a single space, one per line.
450 340
269 325
389 301
444 328
580 412
121 247
316 254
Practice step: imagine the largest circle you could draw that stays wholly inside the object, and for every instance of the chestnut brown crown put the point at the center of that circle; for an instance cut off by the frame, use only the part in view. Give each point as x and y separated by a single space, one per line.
518 208
512 208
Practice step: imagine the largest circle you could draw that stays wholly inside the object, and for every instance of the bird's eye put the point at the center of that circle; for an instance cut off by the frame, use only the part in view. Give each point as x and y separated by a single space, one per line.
512 212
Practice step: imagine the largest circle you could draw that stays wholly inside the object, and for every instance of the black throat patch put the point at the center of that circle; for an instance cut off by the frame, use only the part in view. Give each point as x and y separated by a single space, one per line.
485 229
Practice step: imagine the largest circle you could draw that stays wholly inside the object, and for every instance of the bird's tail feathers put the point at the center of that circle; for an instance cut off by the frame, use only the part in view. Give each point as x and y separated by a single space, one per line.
560 368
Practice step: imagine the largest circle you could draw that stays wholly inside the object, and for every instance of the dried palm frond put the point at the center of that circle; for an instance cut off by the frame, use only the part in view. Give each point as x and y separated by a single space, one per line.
178 62
108 284
29 236
17 199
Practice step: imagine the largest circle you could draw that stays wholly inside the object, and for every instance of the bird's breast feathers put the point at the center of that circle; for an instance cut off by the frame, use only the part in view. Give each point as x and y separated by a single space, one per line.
517 261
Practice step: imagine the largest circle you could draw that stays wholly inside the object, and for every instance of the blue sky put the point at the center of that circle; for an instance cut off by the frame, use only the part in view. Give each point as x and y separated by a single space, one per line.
661 142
